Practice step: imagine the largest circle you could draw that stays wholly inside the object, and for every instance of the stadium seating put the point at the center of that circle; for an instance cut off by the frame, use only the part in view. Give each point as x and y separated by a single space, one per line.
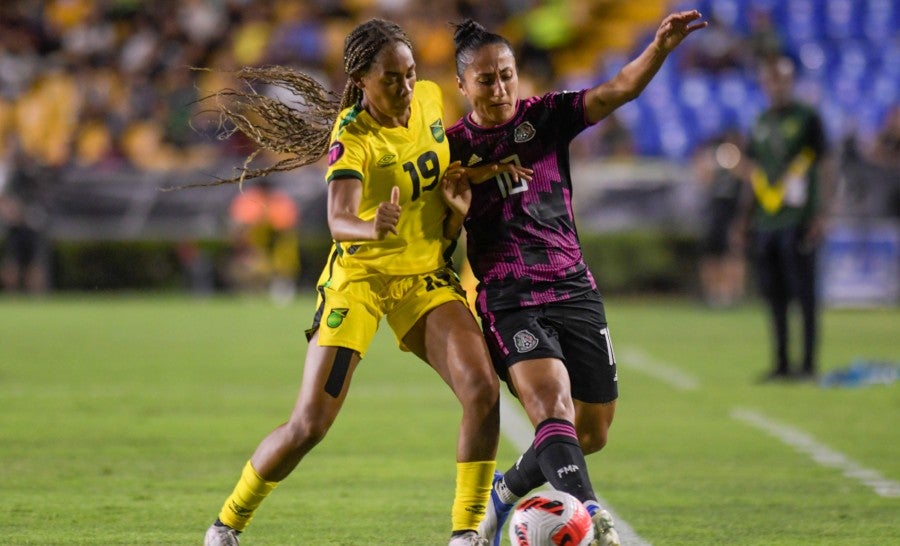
848 55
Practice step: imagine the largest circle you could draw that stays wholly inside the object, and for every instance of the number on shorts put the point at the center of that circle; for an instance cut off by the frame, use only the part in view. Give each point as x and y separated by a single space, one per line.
438 280
609 348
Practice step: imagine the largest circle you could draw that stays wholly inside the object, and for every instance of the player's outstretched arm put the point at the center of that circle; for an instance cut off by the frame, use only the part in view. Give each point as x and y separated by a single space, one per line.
602 100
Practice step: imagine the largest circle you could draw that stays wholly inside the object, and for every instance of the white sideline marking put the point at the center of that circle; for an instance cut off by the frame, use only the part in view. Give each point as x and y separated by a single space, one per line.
518 429
636 359
820 453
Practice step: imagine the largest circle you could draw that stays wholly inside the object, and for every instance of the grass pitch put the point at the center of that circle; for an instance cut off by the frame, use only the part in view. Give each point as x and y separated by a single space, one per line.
126 420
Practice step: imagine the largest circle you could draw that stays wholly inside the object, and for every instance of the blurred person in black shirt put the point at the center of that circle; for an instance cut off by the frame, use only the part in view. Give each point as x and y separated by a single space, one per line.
23 265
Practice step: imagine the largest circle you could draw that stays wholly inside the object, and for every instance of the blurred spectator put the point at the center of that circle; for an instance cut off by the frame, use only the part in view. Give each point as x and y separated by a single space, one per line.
609 139
886 150
250 38
546 28
203 21
722 264
789 173
197 268
764 41
870 186
46 116
20 60
298 37
23 187
716 50
265 244
614 139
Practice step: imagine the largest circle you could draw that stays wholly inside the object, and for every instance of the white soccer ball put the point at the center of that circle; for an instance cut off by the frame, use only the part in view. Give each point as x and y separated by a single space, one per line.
550 518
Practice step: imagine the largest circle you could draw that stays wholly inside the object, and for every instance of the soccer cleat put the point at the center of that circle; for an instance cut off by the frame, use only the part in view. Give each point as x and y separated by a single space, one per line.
495 515
604 532
220 534
469 538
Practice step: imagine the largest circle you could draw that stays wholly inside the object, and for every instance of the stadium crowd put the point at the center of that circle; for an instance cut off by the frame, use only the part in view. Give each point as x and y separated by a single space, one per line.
100 83
108 85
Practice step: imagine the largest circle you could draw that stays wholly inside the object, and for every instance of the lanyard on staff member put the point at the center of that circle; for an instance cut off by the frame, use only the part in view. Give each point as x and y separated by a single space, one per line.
771 197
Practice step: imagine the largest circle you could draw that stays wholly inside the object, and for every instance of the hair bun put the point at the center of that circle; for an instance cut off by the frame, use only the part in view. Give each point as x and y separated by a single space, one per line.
466 31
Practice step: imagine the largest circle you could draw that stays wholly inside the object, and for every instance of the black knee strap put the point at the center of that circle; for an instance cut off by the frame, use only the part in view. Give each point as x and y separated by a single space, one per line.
339 368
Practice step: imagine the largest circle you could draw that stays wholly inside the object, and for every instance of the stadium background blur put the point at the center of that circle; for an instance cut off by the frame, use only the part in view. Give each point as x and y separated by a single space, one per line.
99 110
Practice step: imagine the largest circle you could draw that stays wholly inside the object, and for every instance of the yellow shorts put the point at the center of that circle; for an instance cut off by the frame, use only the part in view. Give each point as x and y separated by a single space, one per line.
353 299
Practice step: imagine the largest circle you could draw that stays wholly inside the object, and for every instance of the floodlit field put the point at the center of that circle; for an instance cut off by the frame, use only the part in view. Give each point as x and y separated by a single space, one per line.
126 420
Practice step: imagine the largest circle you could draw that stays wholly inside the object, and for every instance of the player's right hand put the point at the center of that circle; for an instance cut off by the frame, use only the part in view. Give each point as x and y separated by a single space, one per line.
455 188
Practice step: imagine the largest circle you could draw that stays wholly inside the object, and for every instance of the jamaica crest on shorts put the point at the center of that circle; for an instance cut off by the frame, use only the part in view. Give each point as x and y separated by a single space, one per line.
525 341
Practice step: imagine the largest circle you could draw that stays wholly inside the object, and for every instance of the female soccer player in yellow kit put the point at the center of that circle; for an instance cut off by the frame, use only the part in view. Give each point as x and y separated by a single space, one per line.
386 214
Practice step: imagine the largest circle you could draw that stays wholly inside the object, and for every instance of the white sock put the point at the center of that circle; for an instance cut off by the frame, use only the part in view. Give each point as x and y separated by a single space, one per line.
506 496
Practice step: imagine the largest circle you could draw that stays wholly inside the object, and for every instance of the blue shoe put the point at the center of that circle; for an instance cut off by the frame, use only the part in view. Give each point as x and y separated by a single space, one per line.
495 515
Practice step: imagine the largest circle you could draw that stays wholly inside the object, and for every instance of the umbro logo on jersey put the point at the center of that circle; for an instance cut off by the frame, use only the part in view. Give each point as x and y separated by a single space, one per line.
473 160
387 160
524 132
525 341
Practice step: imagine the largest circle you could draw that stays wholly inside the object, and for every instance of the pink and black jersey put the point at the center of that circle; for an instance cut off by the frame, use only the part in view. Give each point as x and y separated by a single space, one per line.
522 242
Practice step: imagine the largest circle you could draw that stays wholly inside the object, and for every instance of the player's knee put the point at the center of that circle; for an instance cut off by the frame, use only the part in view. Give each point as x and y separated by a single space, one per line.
592 441
304 434
479 392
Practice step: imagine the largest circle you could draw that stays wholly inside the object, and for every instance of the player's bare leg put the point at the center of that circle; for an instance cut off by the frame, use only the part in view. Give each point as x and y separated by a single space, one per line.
314 412
326 379
563 426
592 421
450 341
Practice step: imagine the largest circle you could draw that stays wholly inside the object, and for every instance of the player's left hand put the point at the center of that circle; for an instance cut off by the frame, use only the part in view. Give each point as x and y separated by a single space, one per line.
676 28
477 175
387 216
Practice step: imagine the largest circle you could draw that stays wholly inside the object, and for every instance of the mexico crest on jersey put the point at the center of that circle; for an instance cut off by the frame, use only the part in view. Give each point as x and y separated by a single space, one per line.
524 132
437 130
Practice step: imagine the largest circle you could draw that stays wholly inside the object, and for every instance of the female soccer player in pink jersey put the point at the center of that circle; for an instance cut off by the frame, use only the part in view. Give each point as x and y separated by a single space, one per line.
542 315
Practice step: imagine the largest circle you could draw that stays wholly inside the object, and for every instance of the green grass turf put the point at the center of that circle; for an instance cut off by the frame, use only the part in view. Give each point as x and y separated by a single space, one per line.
126 420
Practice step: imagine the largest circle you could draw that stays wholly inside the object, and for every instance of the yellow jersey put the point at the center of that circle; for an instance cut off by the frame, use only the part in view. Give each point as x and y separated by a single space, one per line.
412 158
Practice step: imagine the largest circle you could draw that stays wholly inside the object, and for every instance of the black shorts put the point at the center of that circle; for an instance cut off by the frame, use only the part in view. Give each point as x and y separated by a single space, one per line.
573 331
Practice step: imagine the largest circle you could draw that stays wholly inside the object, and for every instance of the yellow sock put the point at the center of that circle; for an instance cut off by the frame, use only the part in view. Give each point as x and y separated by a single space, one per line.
245 499
473 490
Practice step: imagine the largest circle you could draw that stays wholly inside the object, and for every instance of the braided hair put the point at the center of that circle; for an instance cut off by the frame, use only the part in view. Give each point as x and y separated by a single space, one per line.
301 128
470 36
